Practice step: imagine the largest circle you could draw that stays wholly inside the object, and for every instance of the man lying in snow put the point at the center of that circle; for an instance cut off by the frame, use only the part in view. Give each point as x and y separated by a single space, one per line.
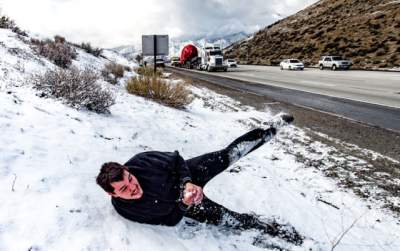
162 187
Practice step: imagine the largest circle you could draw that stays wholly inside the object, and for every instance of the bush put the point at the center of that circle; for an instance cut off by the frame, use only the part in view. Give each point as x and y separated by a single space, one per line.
57 51
75 87
112 72
173 95
393 58
295 50
7 23
59 39
380 52
138 58
91 50
317 34
148 71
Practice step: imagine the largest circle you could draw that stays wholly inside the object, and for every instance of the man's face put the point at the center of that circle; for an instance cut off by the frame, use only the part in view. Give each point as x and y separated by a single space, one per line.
128 188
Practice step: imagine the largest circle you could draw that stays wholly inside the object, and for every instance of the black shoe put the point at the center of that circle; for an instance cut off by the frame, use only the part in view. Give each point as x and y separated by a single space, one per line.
283 231
288 118
281 120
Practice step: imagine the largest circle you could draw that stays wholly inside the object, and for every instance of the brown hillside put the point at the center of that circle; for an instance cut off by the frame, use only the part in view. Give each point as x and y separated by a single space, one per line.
366 31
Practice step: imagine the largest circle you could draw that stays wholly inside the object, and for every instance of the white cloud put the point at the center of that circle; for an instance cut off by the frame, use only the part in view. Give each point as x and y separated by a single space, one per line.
110 23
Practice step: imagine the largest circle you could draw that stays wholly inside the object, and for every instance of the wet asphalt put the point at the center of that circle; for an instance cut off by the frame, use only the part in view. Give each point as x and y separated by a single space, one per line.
369 114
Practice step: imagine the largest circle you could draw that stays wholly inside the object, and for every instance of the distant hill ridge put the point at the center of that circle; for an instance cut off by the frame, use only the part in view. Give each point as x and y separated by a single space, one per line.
366 31
224 41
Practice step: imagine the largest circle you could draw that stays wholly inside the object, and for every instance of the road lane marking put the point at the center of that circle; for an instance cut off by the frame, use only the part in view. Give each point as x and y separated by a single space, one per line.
316 83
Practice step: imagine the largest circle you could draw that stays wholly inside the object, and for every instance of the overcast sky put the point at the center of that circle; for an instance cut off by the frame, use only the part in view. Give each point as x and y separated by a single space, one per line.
109 23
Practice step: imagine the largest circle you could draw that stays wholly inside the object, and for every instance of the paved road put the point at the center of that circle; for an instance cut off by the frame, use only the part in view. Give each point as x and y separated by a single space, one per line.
382 88
326 91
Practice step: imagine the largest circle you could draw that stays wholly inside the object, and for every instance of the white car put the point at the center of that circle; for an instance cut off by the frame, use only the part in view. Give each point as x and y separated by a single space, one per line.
292 64
334 63
231 63
160 62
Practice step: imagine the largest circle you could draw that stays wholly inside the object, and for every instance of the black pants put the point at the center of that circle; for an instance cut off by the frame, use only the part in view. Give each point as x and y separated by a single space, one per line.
207 166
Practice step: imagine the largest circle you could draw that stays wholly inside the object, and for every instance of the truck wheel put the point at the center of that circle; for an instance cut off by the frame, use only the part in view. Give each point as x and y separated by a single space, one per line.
208 68
321 66
225 69
334 68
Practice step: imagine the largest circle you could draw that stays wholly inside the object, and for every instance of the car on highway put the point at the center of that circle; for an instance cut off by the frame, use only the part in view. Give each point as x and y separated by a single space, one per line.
160 62
334 63
292 64
175 61
231 63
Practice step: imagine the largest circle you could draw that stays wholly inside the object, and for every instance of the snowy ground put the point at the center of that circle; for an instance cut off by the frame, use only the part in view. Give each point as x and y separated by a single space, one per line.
50 155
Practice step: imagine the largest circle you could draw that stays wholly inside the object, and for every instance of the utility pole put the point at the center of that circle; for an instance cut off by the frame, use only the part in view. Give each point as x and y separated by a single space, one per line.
155 53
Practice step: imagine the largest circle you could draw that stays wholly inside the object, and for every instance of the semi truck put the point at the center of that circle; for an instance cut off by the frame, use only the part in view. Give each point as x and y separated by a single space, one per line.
212 59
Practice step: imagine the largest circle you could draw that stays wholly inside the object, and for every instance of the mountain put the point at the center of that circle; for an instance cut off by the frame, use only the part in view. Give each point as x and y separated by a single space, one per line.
175 45
224 41
366 31
127 51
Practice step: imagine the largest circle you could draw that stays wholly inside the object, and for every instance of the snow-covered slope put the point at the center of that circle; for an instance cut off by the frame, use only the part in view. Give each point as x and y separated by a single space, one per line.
50 155
128 51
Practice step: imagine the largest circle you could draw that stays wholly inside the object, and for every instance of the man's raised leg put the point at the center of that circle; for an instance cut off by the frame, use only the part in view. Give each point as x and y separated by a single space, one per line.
207 166
212 213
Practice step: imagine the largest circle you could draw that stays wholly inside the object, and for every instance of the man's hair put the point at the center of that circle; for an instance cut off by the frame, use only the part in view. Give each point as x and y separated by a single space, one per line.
110 172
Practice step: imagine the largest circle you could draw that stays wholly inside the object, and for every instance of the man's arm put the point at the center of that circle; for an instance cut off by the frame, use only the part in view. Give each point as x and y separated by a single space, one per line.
182 170
190 193
170 219
130 215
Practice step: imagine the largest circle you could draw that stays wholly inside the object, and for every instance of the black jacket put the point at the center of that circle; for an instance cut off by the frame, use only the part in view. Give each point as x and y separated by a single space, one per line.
162 176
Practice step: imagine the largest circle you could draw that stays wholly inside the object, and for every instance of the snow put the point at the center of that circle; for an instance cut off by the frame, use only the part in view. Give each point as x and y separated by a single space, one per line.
116 58
50 155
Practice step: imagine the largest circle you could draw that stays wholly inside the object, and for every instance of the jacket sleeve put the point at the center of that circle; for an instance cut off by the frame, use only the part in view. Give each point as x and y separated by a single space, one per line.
170 219
184 176
127 214
182 169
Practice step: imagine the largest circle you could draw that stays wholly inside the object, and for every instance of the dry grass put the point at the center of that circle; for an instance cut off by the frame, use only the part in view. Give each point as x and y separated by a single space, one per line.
116 69
148 71
159 90
112 72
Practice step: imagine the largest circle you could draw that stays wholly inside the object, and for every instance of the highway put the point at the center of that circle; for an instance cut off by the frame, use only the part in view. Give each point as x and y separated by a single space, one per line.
381 88
369 97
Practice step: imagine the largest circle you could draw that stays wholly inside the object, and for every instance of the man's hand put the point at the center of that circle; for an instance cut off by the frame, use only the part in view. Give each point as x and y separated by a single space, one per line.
192 194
